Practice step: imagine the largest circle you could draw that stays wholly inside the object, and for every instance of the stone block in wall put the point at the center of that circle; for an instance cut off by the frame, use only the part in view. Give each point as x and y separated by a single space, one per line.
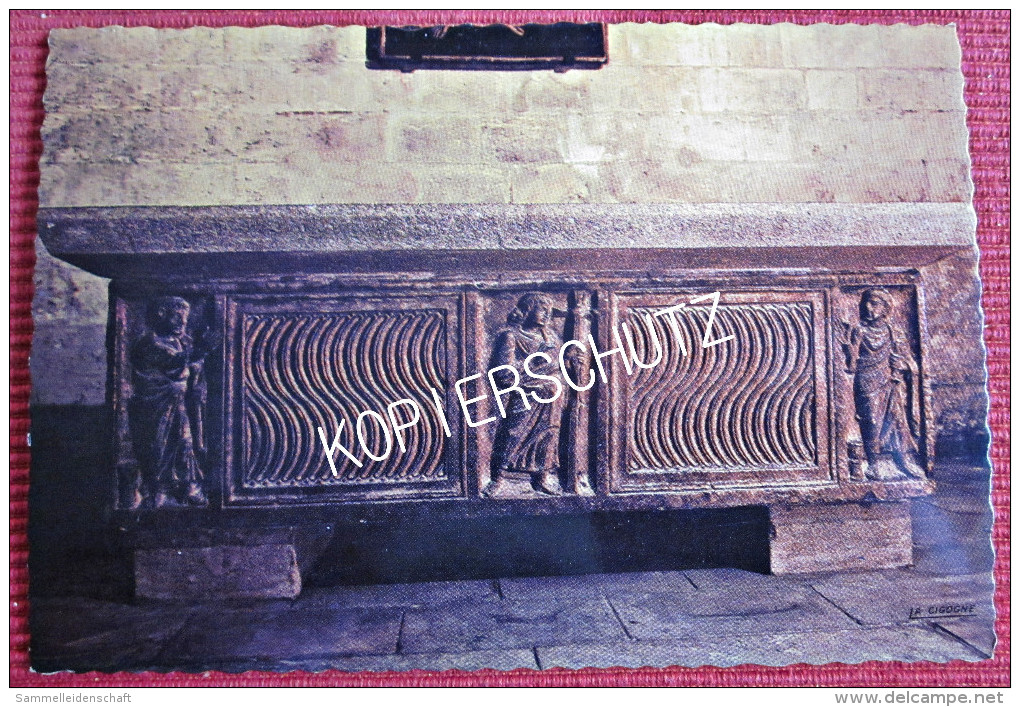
911 90
554 184
950 180
521 140
83 184
567 92
326 136
751 90
86 87
753 45
68 363
315 182
479 94
831 90
322 45
669 45
105 44
467 184
666 181
927 135
66 293
629 90
437 139
144 45
833 137
709 137
852 46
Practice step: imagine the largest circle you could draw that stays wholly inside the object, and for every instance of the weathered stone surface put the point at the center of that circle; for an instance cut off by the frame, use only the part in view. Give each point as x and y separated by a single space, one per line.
218 635
207 90
67 364
405 595
952 531
751 90
509 624
906 644
976 632
690 614
470 660
223 572
344 228
823 538
442 139
77 634
590 586
730 579
888 597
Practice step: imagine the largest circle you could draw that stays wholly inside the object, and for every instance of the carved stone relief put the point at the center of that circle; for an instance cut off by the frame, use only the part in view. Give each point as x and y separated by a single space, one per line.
167 408
743 403
748 408
301 370
538 444
886 392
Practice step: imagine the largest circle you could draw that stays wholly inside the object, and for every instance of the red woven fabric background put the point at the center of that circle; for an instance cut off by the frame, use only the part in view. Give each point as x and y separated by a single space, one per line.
984 36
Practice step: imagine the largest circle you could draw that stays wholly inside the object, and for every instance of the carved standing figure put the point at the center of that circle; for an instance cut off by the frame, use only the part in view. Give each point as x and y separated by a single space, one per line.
527 443
168 406
886 393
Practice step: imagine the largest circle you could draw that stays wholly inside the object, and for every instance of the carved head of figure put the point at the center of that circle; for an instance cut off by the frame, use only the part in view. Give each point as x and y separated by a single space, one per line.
533 310
168 316
875 305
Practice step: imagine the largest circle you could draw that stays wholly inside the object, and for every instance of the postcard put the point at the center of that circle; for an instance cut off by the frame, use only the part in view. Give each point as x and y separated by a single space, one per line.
507 346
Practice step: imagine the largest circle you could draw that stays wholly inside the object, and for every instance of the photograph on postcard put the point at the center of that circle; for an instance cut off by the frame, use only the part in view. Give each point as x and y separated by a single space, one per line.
507 346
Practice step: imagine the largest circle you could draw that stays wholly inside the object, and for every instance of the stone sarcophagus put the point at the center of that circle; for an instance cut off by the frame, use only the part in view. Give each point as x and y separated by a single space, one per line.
275 366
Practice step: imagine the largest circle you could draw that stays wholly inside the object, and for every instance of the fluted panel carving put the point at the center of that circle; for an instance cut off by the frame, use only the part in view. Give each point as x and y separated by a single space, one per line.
747 403
301 371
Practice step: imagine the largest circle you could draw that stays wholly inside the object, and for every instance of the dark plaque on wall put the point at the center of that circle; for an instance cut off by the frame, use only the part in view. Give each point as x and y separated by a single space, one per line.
560 46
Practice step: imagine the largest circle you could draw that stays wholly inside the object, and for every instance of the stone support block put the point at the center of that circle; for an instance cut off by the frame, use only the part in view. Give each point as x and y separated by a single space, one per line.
217 572
834 537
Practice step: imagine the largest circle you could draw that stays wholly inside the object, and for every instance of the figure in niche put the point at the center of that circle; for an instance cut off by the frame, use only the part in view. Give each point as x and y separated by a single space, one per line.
167 411
527 443
886 393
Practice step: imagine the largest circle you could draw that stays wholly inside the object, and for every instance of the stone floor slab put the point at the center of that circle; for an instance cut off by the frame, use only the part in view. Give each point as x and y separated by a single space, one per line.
284 634
471 660
689 615
590 586
816 648
509 624
88 634
978 633
726 579
400 595
882 598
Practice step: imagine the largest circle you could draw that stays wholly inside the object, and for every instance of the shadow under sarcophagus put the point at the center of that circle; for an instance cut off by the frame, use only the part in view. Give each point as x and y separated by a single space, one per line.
296 389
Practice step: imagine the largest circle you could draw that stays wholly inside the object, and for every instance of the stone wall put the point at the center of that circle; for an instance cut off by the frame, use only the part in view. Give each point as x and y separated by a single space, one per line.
702 113
706 113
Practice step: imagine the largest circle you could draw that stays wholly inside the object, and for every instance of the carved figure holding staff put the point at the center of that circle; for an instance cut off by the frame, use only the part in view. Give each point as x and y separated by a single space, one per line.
886 391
